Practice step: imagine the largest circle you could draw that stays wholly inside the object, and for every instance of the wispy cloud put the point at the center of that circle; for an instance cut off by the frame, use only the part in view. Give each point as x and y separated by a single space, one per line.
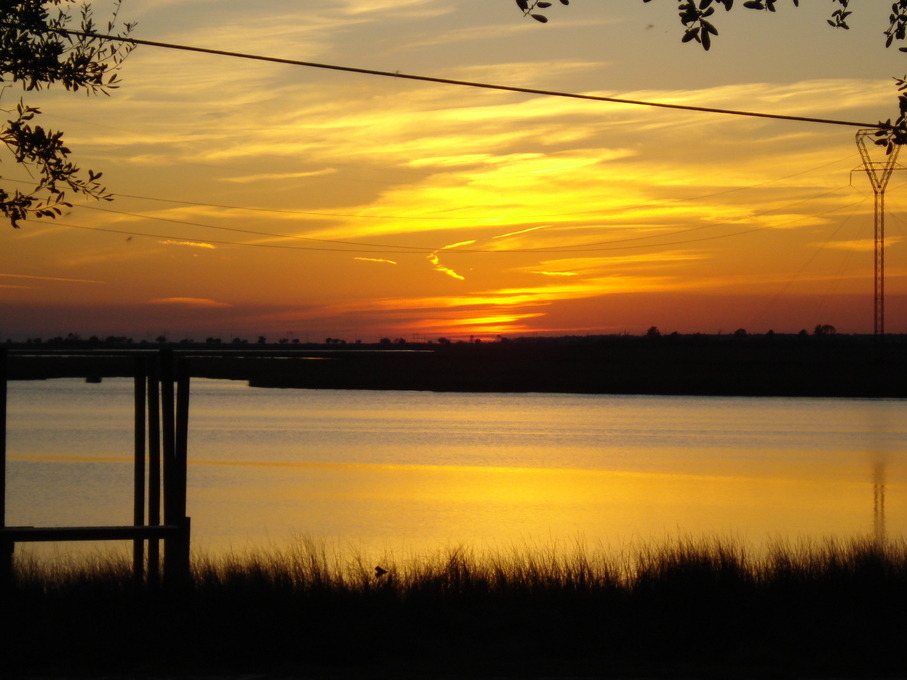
859 245
189 244
436 262
458 244
61 279
189 302
393 7
515 298
519 232
438 267
499 31
379 260
269 176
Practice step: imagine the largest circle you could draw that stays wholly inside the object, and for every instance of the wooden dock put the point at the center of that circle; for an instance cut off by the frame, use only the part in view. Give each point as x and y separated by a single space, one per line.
161 402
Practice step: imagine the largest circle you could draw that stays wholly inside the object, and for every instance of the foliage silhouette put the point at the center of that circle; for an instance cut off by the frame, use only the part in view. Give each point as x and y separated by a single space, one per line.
698 25
36 55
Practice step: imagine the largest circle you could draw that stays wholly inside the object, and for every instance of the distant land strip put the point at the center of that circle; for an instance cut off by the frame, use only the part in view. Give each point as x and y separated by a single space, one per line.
780 365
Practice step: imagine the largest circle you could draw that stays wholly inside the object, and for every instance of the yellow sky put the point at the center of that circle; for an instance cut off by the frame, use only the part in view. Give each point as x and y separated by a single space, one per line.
262 199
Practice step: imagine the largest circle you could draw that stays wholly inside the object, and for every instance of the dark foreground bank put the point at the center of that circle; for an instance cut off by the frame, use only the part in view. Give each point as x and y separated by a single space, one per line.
688 610
776 365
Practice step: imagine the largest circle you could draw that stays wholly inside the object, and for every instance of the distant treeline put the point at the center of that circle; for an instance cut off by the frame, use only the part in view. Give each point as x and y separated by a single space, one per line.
817 364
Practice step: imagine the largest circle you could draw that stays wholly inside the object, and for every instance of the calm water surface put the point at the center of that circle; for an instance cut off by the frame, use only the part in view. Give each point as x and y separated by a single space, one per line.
410 472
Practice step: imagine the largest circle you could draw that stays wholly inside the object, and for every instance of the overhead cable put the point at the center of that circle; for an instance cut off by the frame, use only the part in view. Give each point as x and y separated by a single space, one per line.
462 83
372 249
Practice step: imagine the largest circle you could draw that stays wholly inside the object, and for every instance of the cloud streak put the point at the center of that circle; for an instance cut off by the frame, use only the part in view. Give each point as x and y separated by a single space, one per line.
197 303
379 260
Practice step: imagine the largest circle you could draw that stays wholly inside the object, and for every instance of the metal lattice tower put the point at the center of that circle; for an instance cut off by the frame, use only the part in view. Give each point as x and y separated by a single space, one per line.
879 173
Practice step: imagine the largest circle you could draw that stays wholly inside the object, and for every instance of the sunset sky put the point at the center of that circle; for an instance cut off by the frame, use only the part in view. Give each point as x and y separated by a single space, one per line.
263 199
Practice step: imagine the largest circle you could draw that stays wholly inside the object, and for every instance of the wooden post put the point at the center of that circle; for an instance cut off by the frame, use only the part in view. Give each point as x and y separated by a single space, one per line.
181 435
181 470
168 424
2 436
168 442
154 468
182 461
138 507
175 421
157 382
6 547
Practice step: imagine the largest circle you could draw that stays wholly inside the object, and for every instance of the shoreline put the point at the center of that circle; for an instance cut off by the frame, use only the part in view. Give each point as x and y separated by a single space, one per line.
692 365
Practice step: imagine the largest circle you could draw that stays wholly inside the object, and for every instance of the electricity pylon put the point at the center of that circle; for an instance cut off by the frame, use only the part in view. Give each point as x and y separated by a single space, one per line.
879 173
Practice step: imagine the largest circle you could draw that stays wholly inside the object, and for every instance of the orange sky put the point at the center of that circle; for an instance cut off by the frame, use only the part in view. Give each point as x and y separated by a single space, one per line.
260 199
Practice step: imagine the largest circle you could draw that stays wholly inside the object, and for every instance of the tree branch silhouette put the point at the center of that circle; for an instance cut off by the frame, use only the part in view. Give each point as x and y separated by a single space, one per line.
35 56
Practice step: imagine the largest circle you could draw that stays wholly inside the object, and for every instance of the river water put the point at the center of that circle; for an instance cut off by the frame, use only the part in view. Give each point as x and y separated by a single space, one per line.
416 472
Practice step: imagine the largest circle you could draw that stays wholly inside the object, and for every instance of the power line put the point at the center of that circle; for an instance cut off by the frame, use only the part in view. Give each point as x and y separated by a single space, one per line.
430 216
246 244
676 231
311 213
402 249
783 290
461 83
436 216
603 246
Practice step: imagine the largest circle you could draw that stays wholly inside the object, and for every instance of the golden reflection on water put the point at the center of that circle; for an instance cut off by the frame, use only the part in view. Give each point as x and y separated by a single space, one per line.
417 472
878 500
420 508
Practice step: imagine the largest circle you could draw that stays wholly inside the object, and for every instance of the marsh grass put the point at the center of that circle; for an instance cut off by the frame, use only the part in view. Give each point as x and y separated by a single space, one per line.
691 607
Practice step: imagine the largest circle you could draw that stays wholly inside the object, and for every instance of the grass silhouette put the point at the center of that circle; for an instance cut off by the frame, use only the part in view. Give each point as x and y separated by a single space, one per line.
691 607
